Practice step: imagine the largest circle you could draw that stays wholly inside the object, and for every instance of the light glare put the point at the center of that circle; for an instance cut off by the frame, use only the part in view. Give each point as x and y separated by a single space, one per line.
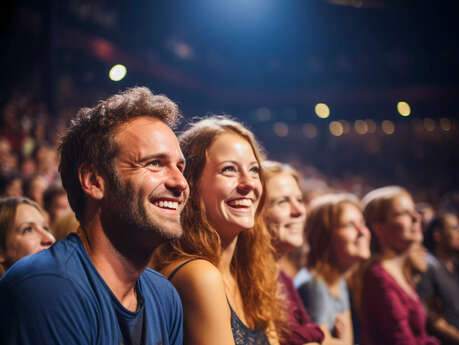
117 72
322 110
403 108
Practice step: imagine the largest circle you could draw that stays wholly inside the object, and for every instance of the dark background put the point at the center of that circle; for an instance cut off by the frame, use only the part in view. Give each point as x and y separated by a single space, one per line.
266 63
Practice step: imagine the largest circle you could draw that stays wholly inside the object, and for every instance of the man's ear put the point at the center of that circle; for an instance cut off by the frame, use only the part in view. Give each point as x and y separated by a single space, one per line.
92 183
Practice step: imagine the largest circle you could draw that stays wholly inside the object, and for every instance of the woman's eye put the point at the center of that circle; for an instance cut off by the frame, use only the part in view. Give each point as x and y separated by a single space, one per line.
228 168
255 170
27 230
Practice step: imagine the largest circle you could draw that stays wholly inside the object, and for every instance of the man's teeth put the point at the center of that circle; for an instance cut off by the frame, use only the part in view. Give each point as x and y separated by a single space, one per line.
173 205
240 202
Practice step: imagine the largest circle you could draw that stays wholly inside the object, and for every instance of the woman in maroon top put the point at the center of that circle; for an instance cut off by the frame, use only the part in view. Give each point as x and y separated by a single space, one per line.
285 216
391 311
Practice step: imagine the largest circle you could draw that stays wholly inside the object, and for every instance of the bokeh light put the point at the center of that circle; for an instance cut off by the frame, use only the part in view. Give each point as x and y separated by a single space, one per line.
388 127
117 72
310 131
336 128
322 110
403 108
281 129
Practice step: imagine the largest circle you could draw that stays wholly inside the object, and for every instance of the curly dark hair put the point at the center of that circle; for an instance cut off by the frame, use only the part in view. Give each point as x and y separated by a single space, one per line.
89 138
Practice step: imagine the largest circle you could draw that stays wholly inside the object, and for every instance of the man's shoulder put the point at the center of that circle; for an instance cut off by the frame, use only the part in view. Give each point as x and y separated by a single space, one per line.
51 274
54 261
157 283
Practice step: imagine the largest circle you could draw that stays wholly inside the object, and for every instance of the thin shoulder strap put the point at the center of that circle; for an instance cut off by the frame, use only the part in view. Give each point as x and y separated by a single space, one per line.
179 267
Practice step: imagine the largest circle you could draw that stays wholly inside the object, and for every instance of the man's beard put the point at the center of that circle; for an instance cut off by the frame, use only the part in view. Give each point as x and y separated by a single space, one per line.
128 213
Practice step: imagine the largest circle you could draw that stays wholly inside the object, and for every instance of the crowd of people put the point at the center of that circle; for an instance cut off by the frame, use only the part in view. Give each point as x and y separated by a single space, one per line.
136 236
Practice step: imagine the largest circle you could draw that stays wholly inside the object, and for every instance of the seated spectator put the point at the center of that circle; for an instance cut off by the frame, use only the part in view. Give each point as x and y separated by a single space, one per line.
23 230
55 202
285 217
439 286
223 267
65 225
34 187
339 241
391 310
10 184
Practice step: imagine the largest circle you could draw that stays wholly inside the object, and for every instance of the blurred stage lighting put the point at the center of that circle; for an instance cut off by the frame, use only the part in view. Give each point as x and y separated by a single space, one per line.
445 124
281 129
388 127
309 130
336 128
117 72
403 108
322 110
429 124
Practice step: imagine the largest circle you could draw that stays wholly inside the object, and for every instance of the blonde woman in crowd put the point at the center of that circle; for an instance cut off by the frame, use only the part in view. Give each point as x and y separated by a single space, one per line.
23 230
391 312
285 216
339 240
223 267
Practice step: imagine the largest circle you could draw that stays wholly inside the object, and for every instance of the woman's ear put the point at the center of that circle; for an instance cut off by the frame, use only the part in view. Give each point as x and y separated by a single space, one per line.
92 183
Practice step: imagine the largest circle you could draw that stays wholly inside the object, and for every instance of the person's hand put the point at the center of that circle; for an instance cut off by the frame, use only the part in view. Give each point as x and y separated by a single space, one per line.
339 327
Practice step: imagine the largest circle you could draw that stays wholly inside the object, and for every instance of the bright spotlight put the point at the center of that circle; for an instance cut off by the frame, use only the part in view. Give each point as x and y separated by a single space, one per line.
117 72
403 108
322 110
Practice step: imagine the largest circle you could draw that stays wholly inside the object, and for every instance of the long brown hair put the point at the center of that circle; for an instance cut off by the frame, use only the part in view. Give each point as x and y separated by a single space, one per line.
324 213
253 262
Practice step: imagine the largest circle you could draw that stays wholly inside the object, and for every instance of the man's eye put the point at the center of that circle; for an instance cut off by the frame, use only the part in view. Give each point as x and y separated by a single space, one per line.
155 163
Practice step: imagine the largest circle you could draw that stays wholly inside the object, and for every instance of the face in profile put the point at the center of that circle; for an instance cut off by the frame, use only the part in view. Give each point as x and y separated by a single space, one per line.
351 238
59 206
230 185
285 213
449 235
149 191
30 234
403 224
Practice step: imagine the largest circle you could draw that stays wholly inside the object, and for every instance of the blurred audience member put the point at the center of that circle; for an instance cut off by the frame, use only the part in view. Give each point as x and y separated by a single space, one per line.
10 183
55 202
427 213
285 216
391 310
34 188
64 225
439 286
27 167
339 240
23 230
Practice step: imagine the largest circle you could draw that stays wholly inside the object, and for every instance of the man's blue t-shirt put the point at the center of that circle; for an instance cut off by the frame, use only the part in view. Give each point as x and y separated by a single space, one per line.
58 297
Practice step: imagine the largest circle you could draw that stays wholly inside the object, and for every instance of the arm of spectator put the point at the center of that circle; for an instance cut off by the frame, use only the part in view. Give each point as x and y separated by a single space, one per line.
207 317
446 330
44 310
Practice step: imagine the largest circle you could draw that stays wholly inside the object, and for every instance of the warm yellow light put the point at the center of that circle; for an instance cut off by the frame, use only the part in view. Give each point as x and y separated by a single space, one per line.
361 127
403 108
309 130
371 126
322 110
429 124
346 126
117 72
281 129
336 128
445 124
388 127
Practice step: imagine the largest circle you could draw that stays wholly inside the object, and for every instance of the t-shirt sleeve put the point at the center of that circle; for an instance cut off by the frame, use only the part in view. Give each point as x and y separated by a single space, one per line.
44 310
316 301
